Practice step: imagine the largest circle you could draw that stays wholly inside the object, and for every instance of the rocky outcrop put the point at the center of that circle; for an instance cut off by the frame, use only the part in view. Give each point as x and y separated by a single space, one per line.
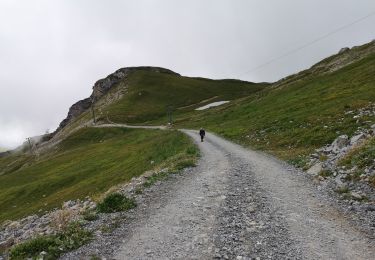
101 88
345 57
13 232
325 164
74 111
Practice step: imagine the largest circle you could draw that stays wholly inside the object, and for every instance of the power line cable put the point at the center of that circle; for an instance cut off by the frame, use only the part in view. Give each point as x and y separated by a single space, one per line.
307 44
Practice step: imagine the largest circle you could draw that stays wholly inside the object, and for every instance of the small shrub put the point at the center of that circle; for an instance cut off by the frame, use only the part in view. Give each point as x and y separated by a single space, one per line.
355 176
154 178
115 202
299 161
33 248
184 164
61 219
138 191
90 215
54 245
74 236
110 227
326 173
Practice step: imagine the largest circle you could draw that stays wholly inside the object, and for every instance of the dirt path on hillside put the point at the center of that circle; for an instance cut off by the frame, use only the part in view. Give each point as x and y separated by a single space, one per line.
236 204
131 126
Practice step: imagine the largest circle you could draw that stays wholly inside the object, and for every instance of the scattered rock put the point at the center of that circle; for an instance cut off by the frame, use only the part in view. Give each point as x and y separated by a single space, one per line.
356 195
315 169
370 207
347 184
340 143
6 244
357 139
340 184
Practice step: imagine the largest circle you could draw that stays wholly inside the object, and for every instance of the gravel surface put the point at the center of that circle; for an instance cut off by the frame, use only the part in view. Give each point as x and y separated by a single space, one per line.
236 204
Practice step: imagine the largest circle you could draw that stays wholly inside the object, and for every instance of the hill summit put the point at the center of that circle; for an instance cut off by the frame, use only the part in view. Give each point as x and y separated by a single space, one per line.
102 86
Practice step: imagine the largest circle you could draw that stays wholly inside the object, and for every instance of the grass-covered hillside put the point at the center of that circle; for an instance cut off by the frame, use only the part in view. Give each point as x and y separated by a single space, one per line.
150 93
86 163
288 118
297 114
146 94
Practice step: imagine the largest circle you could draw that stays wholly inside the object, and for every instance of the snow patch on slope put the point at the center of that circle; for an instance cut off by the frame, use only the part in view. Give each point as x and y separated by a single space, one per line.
214 104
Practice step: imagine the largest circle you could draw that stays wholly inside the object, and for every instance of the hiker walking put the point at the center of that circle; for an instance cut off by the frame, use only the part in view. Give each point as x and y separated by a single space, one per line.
202 133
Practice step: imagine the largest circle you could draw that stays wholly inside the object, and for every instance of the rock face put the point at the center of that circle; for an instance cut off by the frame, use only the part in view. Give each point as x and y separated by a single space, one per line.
101 87
74 111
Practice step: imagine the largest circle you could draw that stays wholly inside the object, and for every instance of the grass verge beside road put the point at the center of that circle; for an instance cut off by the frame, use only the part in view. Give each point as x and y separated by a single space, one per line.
87 163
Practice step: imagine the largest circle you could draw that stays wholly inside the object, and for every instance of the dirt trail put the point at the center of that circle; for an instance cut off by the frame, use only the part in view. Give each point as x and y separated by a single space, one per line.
131 126
244 203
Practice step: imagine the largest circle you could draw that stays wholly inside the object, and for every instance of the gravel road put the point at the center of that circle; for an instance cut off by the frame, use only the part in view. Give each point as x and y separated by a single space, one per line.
236 204
242 204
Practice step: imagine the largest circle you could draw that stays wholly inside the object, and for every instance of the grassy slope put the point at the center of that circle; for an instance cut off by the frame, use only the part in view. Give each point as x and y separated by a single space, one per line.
83 166
287 121
150 93
298 117
86 163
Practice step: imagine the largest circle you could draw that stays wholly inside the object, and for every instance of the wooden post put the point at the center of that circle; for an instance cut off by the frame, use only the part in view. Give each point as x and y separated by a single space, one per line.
169 114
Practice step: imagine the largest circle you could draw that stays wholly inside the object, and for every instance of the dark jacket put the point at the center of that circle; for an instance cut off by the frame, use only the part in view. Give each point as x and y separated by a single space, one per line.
202 132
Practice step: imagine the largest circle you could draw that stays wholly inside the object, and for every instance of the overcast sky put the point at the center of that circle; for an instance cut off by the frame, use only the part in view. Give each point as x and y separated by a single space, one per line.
52 52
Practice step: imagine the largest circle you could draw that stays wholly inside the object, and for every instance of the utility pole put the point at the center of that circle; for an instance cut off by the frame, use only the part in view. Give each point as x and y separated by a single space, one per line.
93 109
169 114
